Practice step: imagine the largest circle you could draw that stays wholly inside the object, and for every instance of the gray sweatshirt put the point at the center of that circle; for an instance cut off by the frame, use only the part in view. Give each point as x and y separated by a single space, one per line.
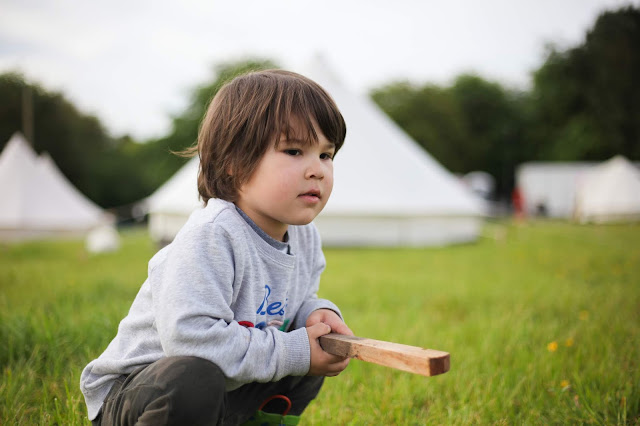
225 291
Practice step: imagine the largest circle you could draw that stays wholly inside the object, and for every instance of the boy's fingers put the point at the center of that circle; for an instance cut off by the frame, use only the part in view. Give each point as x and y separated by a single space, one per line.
338 367
317 330
341 328
337 362
344 363
334 359
326 364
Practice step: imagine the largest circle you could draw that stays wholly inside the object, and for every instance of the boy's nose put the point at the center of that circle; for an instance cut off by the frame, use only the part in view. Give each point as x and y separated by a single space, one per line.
314 170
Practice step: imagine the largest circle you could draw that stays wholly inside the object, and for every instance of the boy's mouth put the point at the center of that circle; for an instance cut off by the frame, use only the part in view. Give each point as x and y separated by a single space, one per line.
312 193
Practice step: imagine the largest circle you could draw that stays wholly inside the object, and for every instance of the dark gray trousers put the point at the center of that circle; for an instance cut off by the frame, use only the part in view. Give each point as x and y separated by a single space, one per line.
191 391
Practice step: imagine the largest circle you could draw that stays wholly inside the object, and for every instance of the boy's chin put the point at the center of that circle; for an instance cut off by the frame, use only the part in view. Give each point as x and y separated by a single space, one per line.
303 220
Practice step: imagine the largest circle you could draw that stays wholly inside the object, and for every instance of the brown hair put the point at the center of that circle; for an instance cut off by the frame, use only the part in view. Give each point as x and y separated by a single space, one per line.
248 114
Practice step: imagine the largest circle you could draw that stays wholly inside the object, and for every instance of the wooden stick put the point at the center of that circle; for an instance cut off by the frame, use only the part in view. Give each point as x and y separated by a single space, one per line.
427 362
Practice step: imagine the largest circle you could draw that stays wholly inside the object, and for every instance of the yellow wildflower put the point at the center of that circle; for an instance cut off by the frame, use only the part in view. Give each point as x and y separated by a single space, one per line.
564 384
569 342
552 347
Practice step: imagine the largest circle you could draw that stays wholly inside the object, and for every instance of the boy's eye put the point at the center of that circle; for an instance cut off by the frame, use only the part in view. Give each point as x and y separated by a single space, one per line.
326 156
292 151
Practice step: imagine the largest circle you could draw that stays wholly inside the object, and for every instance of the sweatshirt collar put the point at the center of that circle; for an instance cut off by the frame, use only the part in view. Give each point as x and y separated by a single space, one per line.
282 246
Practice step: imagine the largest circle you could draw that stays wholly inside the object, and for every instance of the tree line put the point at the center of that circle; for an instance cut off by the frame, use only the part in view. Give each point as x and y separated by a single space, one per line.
584 105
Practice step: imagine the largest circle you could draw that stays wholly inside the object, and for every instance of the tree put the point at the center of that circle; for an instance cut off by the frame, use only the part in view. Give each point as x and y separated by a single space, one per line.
494 117
75 141
586 100
185 126
472 125
113 172
430 115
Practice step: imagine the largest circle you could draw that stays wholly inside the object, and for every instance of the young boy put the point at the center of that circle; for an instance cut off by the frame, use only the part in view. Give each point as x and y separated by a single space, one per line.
228 316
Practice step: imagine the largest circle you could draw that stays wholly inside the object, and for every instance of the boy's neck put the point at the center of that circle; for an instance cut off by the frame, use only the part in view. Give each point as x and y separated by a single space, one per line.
280 235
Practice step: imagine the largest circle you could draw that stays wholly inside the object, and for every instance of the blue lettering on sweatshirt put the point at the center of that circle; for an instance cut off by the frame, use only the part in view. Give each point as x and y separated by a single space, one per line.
276 308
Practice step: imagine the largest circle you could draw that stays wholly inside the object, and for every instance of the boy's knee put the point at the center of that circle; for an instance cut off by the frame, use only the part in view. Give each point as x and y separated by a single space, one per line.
195 390
192 366
197 377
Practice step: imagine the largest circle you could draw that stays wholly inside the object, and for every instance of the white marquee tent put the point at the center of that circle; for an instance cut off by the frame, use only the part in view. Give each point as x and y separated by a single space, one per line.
552 188
37 199
549 188
609 192
387 190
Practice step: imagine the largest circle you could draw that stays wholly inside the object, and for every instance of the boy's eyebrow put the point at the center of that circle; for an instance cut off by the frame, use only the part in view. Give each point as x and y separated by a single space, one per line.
291 140
328 144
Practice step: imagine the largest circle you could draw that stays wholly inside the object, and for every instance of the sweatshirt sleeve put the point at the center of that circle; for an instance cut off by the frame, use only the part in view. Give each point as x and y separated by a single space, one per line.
312 302
192 296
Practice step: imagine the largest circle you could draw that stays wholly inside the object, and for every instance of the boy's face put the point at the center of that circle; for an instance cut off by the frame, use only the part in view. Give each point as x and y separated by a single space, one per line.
290 185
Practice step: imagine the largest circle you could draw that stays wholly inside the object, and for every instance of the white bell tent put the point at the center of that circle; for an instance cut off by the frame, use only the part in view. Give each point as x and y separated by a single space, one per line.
171 204
37 199
609 192
387 190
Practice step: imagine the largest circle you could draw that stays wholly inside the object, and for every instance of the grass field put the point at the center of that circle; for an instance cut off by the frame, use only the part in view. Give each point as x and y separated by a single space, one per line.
542 321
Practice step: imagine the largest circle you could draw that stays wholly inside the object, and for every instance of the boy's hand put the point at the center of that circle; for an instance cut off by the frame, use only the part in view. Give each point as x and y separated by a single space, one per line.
319 323
330 318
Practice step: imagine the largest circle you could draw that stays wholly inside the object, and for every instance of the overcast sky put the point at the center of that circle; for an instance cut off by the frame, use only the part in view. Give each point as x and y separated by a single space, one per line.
133 63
